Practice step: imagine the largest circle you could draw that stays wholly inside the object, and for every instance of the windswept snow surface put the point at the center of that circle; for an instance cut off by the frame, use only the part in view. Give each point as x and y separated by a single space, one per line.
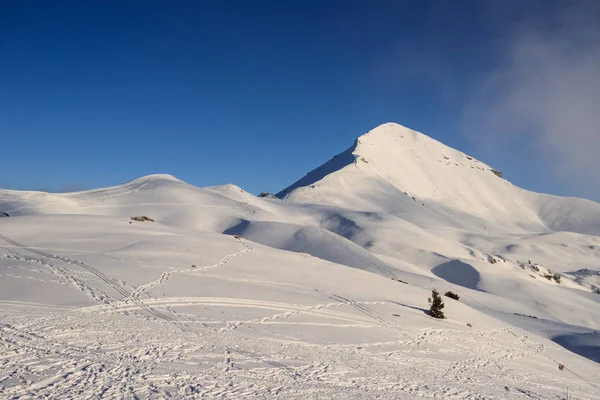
319 294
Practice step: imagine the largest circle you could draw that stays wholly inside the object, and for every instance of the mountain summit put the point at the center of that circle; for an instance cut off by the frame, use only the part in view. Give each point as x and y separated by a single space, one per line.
394 169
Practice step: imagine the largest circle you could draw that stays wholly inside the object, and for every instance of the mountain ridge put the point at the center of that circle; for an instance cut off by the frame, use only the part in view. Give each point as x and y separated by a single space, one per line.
391 160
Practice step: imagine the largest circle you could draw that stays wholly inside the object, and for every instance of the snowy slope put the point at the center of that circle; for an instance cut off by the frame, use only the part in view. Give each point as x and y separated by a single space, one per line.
93 306
321 294
391 164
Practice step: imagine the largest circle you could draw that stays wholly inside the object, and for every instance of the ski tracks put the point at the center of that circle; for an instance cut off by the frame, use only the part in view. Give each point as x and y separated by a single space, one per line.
297 310
135 298
361 307
165 276
96 294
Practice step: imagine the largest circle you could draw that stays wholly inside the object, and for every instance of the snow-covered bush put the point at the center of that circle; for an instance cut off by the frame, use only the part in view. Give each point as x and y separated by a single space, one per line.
452 295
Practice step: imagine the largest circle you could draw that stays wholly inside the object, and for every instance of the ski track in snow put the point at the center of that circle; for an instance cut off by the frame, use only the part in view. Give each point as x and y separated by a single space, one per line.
165 276
142 305
176 358
160 361
166 358
114 284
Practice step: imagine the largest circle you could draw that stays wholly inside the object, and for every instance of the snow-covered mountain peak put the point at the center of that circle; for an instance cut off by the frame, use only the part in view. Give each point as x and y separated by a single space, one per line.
393 169
155 178
392 140
403 159
391 130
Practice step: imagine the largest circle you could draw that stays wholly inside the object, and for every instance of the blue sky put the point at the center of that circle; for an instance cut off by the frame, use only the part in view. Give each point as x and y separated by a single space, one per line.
259 93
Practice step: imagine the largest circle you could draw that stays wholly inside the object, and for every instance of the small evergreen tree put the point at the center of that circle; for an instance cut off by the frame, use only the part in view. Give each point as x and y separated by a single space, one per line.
436 305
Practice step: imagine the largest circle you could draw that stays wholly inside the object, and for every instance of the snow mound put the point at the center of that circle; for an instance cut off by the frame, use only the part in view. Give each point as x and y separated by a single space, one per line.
156 177
458 273
314 241
584 344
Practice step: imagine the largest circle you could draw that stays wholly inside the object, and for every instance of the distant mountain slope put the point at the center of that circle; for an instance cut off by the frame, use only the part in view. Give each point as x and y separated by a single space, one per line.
396 170
164 198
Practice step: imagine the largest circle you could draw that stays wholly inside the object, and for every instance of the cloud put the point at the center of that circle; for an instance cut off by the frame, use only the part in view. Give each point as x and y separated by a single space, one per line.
543 102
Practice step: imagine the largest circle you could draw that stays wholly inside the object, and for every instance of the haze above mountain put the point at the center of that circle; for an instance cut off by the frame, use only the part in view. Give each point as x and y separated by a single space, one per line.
321 291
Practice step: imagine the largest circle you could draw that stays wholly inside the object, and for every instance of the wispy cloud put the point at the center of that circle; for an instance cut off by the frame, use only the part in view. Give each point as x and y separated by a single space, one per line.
543 102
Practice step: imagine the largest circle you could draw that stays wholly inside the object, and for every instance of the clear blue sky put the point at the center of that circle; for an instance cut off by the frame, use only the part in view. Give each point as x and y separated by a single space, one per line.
256 93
